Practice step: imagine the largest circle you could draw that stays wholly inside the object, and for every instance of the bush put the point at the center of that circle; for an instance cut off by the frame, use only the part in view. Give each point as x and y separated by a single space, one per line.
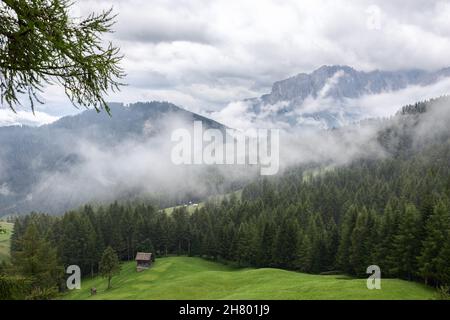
13 287
42 294
444 293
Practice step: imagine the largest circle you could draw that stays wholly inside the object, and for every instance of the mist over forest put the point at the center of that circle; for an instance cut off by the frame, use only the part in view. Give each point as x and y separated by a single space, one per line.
226 150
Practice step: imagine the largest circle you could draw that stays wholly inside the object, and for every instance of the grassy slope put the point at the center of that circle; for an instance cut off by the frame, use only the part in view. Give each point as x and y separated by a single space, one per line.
195 278
191 208
5 240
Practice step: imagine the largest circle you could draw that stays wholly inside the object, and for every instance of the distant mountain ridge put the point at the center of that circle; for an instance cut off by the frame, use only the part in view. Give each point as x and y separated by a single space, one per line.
32 155
351 84
337 84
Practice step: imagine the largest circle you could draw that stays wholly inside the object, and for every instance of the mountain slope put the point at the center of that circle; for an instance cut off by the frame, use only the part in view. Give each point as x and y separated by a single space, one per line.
195 278
38 162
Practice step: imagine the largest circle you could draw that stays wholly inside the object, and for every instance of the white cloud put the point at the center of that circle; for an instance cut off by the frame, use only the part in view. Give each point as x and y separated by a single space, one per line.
240 115
4 190
229 44
387 103
9 118
203 54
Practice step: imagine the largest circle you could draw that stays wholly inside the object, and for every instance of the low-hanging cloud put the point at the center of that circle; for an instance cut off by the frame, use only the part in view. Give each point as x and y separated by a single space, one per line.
140 166
21 117
241 114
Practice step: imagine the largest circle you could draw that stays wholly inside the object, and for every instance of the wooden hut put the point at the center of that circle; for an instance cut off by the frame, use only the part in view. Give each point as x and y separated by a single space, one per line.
143 261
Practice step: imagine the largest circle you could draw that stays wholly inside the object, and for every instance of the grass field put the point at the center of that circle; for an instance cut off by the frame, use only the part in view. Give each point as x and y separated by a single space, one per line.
195 278
5 240
191 208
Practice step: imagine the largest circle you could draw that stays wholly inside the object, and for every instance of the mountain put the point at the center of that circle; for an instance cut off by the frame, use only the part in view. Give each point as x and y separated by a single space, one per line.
96 157
77 158
322 97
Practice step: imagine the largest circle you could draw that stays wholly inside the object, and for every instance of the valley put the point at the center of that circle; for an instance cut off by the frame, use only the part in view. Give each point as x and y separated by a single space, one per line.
221 150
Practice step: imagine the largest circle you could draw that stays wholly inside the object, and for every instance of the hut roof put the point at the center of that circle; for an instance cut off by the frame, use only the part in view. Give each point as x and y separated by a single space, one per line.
143 256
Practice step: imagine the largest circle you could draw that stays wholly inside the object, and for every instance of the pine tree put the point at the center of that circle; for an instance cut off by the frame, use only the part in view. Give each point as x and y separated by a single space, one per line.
285 247
37 260
384 254
303 259
266 245
109 264
345 242
227 235
146 246
362 242
331 243
407 242
243 244
433 263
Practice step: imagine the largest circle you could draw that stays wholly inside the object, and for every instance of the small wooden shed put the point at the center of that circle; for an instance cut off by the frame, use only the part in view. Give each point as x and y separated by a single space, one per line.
143 261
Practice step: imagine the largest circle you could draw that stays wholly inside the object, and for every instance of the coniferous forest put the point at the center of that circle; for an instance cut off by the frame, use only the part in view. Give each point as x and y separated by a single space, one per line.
393 212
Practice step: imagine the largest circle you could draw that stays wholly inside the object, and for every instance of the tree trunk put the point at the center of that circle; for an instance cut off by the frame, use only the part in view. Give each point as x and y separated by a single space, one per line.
109 282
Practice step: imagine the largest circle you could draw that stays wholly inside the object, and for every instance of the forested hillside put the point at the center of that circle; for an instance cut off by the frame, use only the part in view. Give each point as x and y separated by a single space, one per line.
393 212
63 165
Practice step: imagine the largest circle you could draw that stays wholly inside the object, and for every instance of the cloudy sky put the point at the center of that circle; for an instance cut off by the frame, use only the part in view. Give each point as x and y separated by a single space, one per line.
203 54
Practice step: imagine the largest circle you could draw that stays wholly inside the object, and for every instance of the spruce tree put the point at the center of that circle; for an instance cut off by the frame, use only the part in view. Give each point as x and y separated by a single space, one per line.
37 260
285 247
407 242
433 260
109 264
361 242
345 241
303 258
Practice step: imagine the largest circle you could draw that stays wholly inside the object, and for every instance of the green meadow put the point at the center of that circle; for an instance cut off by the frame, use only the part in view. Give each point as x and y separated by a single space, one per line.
191 207
195 278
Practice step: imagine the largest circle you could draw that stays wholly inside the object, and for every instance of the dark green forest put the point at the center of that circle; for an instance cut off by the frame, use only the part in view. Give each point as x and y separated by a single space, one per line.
393 212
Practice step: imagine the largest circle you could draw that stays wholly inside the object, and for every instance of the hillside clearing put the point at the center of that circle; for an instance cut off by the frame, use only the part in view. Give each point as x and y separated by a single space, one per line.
194 278
193 206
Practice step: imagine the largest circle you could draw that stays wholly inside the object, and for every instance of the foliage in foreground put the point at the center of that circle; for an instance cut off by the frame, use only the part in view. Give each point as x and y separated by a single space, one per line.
40 43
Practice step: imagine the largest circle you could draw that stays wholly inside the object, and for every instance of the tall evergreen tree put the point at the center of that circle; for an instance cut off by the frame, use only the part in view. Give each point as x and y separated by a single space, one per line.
433 260
345 241
285 247
37 260
362 242
407 242
109 264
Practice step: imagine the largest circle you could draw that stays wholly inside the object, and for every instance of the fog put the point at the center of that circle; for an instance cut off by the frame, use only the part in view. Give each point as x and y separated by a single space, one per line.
95 168
134 168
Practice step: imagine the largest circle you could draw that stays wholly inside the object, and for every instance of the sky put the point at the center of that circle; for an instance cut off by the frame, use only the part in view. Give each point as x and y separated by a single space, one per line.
203 55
